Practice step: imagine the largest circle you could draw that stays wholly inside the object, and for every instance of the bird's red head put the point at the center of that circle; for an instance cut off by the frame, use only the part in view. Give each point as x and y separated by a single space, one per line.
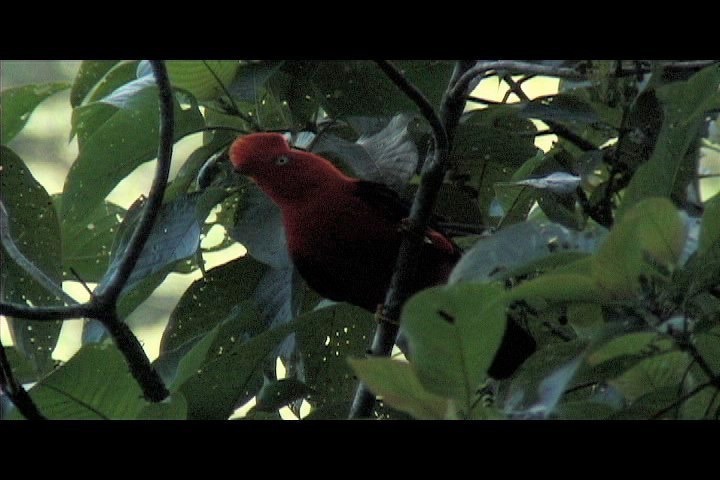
285 174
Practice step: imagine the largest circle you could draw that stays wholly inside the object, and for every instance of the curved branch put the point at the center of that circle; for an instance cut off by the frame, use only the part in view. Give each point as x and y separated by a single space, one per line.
512 66
109 293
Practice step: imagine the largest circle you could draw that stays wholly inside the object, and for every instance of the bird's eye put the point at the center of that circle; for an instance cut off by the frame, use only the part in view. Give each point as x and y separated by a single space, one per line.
282 160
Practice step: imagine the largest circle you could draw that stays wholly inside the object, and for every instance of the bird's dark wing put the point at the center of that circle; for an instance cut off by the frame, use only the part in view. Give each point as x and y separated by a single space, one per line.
387 201
383 199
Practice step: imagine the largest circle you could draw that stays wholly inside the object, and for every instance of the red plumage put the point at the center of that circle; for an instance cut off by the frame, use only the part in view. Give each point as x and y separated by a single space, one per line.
343 233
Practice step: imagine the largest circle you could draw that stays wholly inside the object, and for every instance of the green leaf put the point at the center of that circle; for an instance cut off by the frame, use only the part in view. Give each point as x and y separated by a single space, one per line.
120 141
488 148
347 88
517 245
17 103
453 335
651 233
325 338
174 237
527 393
251 78
211 299
212 394
637 343
193 360
94 384
710 228
515 200
260 229
708 346
667 171
665 370
399 386
563 107
172 408
33 226
89 74
197 77
275 394
87 249
650 404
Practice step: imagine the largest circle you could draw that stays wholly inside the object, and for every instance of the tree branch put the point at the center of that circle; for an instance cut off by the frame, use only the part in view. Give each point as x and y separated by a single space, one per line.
103 304
15 391
110 292
420 212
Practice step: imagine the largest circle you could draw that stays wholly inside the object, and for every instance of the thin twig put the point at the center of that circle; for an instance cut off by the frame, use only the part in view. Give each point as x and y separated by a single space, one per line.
420 213
236 110
15 391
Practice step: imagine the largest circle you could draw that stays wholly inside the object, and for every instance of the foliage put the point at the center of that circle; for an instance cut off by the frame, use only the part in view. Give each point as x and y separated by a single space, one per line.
601 247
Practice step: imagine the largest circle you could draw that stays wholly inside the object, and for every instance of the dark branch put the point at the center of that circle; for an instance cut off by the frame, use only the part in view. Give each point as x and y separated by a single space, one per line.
15 391
420 213
153 387
235 109
110 292
49 314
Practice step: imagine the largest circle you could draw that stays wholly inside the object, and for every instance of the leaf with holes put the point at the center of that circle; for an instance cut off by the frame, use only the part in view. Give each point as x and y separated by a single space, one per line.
90 73
212 299
326 337
33 227
87 248
118 141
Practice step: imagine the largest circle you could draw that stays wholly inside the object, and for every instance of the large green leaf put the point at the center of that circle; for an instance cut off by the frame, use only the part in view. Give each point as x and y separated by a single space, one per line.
89 74
649 235
399 386
665 370
87 250
17 103
94 384
198 77
121 140
346 88
211 299
34 228
230 376
326 338
453 335
667 171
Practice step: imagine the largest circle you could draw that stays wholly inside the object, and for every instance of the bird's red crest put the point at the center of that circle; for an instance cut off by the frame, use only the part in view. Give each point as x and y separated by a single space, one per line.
257 147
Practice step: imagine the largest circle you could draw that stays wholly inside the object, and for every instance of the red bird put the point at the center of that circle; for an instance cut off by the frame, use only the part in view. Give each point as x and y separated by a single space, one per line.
343 233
